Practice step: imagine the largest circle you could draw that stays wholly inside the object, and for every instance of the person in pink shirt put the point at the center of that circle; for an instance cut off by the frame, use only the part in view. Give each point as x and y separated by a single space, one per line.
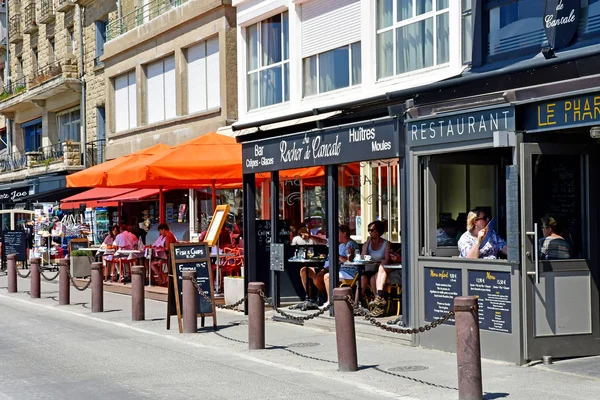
125 240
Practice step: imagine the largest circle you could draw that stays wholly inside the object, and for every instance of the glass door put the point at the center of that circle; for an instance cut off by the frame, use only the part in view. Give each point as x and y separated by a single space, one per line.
560 263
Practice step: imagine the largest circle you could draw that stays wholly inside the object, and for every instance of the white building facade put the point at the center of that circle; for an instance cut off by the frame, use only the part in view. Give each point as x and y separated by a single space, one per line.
296 55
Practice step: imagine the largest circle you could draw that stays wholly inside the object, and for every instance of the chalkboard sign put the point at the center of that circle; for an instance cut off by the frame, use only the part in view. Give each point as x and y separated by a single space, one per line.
556 190
77 244
13 242
495 307
442 285
190 257
263 247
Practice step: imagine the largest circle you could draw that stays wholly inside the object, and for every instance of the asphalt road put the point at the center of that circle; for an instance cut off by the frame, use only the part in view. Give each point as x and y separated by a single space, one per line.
53 355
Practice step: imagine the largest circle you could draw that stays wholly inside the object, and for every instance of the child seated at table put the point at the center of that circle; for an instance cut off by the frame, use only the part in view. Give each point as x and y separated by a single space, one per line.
161 246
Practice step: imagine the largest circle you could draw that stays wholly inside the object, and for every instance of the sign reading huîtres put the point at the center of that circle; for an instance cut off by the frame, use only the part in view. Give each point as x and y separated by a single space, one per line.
370 140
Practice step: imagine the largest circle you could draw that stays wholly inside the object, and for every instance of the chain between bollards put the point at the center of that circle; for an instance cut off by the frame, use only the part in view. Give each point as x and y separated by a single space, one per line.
223 307
294 317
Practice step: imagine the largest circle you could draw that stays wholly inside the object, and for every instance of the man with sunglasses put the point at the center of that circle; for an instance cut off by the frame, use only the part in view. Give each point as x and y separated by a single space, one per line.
479 241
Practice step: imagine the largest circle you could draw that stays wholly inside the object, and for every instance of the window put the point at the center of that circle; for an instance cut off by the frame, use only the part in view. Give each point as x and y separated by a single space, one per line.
71 47
467 31
69 123
3 139
160 99
98 154
51 50
411 35
268 62
203 80
516 28
33 135
125 102
34 58
19 66
100 40
331 70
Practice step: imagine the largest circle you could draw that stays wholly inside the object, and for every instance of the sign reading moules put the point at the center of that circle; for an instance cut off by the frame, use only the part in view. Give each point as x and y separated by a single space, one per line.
561 18
368 140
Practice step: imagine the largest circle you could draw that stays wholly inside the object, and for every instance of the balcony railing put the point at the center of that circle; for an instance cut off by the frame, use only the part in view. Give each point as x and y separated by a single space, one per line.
94 152
14 29
45 73
47 12
139 16
17 86
64 5
13 162
30 19
47 155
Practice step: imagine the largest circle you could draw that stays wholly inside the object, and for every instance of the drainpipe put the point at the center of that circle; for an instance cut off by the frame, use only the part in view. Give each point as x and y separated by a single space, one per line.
119 11
82 78
7 121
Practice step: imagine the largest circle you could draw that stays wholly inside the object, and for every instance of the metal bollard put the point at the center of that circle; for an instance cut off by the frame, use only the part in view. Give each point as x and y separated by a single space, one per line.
345 334
64 287
256 316
97 288
138 273
34 280
11 266
190 303
468 351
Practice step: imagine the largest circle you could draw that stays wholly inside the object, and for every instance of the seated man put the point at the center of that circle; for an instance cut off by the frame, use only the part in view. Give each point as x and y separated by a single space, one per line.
347 249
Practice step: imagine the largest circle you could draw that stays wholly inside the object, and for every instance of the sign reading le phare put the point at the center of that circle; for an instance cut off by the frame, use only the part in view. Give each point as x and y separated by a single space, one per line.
561 18
369 140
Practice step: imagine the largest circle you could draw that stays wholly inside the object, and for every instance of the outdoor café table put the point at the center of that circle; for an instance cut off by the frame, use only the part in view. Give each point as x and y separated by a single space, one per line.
217 267
149 254
360 265
307 304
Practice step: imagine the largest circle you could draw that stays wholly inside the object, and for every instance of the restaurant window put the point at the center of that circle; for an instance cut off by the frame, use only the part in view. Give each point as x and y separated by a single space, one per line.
203 76
160 87
69 123
125 102
331 70
411 35
515 28
467 31
268 62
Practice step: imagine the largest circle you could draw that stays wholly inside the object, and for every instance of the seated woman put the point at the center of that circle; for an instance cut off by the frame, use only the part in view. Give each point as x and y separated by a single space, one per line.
553 246
379 250
162 246
477 242
110 237
303 237
346 251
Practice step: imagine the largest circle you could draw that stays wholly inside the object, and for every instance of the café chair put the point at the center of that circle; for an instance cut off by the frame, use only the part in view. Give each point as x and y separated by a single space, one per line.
393 294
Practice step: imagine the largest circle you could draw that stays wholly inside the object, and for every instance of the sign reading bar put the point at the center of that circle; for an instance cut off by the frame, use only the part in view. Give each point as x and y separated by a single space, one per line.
495 307
461 127
561 18
369 140
442 285
13 195
561 113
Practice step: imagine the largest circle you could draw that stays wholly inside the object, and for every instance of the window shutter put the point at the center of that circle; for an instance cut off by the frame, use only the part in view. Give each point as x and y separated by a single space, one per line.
100 37
121 103
169 87
213 82
155 96
196 78
327 25
132 100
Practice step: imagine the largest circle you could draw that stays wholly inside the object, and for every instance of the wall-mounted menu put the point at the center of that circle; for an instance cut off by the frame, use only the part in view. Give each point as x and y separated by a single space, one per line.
495 307
442 285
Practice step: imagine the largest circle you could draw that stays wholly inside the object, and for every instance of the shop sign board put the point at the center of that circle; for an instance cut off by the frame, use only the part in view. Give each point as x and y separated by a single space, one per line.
14 242
13 195
494 299
474 125
368 140
561 19
442 285
568 112
190 257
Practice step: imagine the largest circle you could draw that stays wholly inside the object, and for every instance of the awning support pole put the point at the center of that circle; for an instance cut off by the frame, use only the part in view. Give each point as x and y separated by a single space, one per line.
161 206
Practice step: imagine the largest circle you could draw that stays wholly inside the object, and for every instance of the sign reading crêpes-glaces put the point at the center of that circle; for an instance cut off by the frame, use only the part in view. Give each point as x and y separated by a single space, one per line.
475 125
369 140
569 112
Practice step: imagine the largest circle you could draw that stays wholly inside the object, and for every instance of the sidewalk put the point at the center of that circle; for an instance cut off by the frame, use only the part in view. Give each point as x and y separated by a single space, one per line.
388 369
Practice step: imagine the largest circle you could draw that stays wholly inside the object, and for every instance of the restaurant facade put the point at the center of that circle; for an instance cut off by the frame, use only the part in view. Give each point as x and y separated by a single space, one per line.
515 135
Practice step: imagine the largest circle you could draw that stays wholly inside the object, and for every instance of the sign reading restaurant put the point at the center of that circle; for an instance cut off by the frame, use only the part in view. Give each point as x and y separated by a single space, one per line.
368 140
461 127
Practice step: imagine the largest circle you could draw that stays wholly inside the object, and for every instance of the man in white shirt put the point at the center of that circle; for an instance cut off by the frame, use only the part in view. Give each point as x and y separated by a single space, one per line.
125 240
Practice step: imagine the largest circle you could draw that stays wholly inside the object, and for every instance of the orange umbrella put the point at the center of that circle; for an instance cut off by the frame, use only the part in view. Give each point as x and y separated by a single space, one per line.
96 176
206 160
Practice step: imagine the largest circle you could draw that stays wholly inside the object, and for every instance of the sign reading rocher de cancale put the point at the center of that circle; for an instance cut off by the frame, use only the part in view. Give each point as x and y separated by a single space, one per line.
561 18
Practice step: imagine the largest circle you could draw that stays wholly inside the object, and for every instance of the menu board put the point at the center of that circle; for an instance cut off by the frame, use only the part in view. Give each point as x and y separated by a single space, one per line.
442 285
216 224
190 257
495 307
13 242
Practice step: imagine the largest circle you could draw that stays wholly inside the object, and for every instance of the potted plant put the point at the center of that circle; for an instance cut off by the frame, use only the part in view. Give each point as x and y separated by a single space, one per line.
81 263
233 290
